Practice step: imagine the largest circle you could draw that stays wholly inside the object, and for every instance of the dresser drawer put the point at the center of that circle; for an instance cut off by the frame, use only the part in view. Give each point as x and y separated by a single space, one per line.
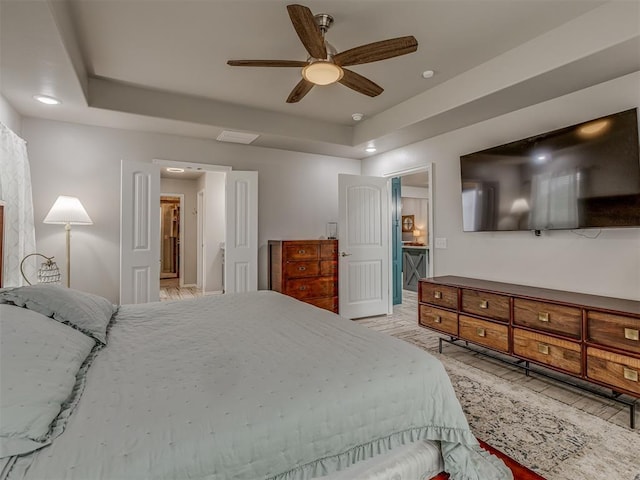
439 295
547 350
302 269
548 317
329 251
614 330
302 251
329 267
328 303
485 304
618 371
311 287
489 334
442 320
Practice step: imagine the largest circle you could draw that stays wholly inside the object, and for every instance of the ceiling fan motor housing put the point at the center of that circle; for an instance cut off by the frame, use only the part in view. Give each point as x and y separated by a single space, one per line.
324 21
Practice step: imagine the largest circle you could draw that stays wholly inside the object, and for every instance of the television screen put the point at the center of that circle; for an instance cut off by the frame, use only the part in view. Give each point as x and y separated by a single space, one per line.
583 176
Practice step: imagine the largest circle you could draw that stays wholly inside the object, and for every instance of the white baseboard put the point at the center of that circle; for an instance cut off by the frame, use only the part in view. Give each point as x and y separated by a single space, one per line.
189 285
214 292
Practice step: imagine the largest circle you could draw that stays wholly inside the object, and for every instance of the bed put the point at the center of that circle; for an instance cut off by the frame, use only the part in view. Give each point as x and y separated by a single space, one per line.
236 386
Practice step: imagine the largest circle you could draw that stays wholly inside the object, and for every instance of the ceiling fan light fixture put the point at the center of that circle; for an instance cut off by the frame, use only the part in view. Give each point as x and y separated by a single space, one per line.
322 72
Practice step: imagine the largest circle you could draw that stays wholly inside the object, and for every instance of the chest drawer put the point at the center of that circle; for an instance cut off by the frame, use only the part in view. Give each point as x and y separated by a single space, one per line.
486 304
328 303
302 269
302 251
329 251
547 350
619 371
329 267
303 288
614 330
442 320
489 334
439 295
548 317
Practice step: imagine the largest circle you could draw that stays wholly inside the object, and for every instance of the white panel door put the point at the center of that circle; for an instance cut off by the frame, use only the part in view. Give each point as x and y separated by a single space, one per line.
241 234
363 233
139 233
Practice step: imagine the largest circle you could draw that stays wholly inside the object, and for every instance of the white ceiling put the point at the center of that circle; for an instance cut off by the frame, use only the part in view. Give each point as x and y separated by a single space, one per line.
160 65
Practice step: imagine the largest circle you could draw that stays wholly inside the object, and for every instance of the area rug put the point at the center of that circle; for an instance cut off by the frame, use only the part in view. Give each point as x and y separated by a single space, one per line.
551 438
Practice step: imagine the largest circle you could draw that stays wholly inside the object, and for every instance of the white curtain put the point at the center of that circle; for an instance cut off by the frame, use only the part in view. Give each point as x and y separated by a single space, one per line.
15 192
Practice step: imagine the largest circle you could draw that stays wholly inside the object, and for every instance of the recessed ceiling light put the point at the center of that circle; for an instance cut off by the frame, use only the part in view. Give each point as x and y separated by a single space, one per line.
175 170
370 149
357 116
47 100
427 74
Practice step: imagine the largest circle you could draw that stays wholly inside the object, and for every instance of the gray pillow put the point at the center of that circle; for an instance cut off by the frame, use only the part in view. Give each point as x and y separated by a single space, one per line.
84 311
39 362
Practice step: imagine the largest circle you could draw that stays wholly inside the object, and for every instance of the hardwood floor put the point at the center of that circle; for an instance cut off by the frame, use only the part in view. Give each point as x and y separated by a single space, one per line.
170 290
405 316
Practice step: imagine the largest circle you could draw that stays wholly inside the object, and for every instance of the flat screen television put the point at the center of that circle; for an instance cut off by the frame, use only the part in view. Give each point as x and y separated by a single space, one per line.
583 176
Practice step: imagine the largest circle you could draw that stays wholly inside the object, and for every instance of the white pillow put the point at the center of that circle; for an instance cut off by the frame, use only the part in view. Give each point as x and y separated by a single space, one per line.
39 361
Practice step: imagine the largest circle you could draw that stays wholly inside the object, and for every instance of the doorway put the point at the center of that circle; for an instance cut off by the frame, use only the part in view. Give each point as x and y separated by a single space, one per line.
170 239
411 230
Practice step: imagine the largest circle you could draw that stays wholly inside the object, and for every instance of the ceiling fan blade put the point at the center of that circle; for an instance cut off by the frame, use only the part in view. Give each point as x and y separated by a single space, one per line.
307 30
360 84
373 52
266 63
299 91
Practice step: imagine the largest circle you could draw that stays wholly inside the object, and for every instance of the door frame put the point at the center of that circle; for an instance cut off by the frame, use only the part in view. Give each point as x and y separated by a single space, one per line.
200 236
429 168
180 232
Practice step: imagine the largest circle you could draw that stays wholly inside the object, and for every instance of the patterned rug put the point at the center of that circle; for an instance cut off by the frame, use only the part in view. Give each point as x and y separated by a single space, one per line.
551 438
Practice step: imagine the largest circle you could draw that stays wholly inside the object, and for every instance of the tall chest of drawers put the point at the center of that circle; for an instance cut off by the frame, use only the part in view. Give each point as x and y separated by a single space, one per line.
306 270
590 337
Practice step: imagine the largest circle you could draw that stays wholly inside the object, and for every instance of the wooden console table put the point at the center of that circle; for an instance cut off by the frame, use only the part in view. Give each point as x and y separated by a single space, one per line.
587 337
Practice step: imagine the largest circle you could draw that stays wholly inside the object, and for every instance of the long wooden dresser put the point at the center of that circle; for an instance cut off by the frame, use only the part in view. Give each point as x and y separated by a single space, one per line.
306 270
590 337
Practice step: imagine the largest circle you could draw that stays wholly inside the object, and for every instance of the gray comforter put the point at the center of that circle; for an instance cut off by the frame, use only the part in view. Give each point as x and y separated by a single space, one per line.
252 386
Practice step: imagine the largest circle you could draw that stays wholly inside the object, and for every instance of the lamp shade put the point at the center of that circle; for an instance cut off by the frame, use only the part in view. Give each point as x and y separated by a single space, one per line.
68 210
322 72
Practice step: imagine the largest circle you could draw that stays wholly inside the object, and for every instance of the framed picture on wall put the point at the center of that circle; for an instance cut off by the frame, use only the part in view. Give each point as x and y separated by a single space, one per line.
407 223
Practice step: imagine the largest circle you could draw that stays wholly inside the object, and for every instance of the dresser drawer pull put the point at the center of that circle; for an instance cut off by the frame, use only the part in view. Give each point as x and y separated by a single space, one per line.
630 374
543 316
484 304
631 334
302 269
437 319
437 294
543 349
302 288
481 332
302 252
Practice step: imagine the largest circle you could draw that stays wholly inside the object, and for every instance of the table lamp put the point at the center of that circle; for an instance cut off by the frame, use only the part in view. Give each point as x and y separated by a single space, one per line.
68 211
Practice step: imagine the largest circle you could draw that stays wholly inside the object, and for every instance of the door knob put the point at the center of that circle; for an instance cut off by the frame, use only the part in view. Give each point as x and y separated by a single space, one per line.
344 254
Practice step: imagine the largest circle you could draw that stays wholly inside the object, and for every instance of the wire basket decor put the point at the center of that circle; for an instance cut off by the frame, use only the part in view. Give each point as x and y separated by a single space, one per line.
48 271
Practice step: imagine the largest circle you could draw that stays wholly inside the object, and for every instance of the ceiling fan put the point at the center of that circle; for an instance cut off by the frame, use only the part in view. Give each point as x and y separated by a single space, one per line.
325 65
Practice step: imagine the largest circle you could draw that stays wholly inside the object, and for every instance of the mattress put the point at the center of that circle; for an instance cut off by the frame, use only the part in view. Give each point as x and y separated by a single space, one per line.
416 461
253 386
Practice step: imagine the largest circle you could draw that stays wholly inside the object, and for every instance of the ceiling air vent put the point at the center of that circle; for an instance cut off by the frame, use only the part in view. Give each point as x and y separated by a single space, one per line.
237 137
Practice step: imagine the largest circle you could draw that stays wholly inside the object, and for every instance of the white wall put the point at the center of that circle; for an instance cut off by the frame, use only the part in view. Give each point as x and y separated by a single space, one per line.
9 116
606 265
298 193
189 189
